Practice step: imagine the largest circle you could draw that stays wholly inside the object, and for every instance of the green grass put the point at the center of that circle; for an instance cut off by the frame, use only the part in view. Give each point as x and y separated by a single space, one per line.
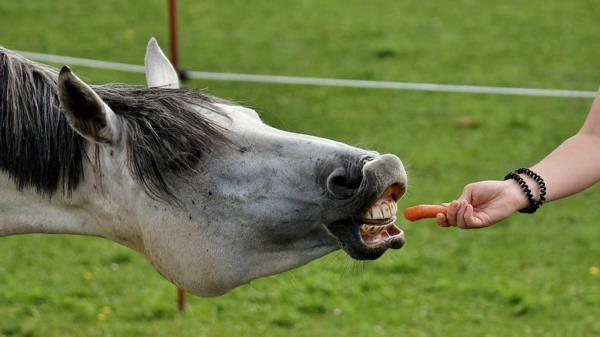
528 276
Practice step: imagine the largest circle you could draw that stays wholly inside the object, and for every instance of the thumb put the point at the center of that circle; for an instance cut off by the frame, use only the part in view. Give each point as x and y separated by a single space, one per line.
467 193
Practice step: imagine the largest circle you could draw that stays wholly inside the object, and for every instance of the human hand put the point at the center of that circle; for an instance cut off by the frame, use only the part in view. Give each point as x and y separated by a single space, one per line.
483 204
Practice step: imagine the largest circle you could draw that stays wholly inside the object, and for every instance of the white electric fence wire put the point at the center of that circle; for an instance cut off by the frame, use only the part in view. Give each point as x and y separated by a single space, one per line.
333 82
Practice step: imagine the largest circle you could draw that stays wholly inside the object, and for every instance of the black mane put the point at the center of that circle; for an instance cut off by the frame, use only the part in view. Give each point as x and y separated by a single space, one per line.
164 134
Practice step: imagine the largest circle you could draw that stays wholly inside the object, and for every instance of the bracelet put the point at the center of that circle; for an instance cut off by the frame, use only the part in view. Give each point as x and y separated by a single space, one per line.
533 204
538 180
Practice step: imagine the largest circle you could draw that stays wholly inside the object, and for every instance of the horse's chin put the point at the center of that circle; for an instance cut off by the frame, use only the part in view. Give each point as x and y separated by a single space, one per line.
368 236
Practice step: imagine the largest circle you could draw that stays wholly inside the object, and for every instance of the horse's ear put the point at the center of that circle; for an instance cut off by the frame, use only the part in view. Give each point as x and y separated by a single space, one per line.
159 71
85 110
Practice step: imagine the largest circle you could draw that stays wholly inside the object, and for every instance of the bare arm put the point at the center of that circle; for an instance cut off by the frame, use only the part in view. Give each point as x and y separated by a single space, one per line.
570 168
575 164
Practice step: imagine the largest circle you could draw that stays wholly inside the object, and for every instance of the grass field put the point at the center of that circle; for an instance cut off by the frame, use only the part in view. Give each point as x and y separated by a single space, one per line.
528 276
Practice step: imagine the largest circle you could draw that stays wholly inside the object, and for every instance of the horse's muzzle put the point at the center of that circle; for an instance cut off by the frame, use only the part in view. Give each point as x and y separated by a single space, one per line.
369 228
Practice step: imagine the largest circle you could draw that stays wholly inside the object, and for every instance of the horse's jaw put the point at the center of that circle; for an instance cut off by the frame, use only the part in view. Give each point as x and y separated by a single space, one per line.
206 276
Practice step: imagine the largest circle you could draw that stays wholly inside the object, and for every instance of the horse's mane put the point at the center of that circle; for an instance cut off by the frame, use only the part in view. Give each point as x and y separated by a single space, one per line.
164 133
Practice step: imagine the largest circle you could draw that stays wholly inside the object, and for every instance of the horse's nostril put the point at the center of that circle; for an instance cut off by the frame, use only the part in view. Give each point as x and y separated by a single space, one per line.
342 185
339 181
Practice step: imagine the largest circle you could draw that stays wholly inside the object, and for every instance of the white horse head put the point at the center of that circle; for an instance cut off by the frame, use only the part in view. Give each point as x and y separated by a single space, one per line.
210 194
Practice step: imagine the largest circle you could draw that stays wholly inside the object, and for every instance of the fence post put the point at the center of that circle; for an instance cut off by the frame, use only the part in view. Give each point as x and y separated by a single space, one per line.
174 53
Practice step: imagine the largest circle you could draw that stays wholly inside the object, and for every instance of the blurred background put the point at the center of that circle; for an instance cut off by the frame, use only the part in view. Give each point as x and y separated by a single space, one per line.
528 276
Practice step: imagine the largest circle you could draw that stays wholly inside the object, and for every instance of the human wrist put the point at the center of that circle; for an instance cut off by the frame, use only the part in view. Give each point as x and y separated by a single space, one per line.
516 198
532 184
533 187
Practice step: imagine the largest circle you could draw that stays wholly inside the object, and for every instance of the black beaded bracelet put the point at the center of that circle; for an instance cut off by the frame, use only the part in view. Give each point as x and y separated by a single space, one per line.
533 204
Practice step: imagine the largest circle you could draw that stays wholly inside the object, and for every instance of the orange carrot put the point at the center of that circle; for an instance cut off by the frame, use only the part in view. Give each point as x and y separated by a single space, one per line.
424 211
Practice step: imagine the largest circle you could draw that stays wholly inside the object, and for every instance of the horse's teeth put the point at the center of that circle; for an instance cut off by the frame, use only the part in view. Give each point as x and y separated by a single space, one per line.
387 213
377 214
369 229
382 210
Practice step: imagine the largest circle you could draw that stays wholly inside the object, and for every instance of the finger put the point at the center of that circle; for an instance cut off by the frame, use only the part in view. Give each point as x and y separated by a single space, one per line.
440 218
451 216
460 214
471 220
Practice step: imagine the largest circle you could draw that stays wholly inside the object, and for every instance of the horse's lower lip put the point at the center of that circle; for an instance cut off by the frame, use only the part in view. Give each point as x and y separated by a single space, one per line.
363 247
388 235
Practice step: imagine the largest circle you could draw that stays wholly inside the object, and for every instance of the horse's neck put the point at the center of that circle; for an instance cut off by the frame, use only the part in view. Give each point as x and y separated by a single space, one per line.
26 211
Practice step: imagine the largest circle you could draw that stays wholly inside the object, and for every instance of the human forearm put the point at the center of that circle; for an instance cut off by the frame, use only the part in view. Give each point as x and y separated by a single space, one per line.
571 167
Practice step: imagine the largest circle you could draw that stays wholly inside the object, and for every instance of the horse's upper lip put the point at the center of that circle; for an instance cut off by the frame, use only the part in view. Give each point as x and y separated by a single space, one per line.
371 234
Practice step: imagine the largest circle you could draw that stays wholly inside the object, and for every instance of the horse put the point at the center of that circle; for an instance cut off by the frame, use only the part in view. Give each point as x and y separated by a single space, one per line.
211 195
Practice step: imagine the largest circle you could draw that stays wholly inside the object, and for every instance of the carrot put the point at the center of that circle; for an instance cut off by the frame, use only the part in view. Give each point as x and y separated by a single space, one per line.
424 211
